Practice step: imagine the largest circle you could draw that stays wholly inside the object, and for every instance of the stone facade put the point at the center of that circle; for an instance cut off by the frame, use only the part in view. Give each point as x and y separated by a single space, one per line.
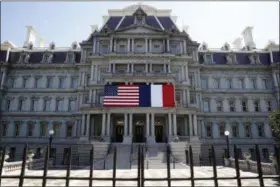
62 88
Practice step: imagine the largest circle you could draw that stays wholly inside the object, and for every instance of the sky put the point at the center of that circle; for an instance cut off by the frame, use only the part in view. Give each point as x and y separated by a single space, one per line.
212 22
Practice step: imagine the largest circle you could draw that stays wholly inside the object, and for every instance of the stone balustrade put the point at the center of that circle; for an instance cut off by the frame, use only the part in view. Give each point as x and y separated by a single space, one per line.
249 165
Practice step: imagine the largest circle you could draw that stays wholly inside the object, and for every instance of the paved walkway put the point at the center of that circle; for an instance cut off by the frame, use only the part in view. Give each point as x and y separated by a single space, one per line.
156 173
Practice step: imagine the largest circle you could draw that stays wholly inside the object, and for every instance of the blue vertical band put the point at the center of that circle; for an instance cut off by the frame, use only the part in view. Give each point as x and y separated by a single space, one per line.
144 96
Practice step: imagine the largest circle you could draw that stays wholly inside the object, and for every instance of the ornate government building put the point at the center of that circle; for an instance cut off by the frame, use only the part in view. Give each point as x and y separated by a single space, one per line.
233 88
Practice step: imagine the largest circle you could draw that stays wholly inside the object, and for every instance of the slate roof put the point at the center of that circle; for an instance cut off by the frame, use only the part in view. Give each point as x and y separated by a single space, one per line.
242 58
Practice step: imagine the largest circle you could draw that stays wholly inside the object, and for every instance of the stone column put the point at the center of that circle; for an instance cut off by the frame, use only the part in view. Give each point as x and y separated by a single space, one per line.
195 124
169 124
151 68
169 68
185 46
146 44
153 125
132 45
128 45
95 73
254 130
267 130
241 130
190 125
111 44
174 124
164 68
203 130
108 124
150 44
94 96
187 73
215 130
114 68
3 78
88 125
83 124
109 67
115 45
228 128
182 74
185 102
181 47
125 125
130 124
147 124
103 124
90 96
147 68
91 72
132 68
127 68
168 48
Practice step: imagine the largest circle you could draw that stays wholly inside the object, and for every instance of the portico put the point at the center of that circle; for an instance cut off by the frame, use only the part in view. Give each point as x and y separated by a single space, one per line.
129 127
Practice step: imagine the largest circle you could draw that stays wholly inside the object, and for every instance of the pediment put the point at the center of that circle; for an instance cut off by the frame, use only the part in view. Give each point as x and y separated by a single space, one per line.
140 29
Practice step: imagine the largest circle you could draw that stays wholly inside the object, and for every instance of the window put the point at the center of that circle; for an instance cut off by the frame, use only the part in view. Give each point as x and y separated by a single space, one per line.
4 129
260 130
253 155
216 83
229 83
61 82
244 106
268 106
265 83
21 105
231 106
209 130
219 106
192 98
74 82
241 83
38 82
72 105
59 105
156 46
30 127
8 104
69 130
56 128
24 82
34 105
17 128
235 130
265 154
139 46
43 129
47 105
208 58
122 46
222 129
203 83
253 83
248 131
206 106
178 98
257 106
49 82
12 83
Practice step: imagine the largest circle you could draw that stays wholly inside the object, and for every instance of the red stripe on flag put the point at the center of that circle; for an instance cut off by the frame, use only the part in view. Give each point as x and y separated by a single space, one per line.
168 95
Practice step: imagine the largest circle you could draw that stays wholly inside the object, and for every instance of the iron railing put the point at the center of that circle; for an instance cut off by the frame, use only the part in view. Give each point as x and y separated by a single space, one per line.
141 178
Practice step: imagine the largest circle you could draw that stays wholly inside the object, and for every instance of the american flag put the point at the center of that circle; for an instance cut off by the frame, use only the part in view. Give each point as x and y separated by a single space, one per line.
121 95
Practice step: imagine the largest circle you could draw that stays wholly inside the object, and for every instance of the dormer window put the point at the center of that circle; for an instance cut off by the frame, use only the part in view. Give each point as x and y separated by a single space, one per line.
230 57
254 58
139 16
70 57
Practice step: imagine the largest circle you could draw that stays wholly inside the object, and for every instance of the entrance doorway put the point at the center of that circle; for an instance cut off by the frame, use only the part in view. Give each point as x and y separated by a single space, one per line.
119 133
159 133
138 133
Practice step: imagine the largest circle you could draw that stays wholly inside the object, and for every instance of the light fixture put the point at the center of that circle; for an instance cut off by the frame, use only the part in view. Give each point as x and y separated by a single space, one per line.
226 133
51 132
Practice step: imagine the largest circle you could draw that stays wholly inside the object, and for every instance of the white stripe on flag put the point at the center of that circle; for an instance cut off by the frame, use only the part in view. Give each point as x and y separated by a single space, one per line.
156 96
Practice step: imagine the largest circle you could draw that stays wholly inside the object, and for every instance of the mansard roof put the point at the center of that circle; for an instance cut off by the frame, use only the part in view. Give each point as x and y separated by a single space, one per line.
3 55
242 58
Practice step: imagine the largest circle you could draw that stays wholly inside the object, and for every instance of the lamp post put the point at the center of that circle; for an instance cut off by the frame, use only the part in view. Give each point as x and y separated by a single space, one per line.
228 153
51 132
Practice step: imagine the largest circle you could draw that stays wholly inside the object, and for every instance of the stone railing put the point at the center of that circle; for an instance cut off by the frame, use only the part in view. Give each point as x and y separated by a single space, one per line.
30 164
249 165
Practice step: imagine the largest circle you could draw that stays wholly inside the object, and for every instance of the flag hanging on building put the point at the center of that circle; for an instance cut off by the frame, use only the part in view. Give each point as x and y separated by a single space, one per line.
139 96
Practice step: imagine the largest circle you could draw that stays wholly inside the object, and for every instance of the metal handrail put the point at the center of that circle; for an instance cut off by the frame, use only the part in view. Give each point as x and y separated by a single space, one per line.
105 158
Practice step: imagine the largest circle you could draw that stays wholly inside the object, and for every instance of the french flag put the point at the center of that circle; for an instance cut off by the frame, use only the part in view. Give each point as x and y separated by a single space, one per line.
139 96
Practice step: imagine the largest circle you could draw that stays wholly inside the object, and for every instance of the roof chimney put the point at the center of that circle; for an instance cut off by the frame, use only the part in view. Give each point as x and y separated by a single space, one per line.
30 36
237 43
248 37
94 28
